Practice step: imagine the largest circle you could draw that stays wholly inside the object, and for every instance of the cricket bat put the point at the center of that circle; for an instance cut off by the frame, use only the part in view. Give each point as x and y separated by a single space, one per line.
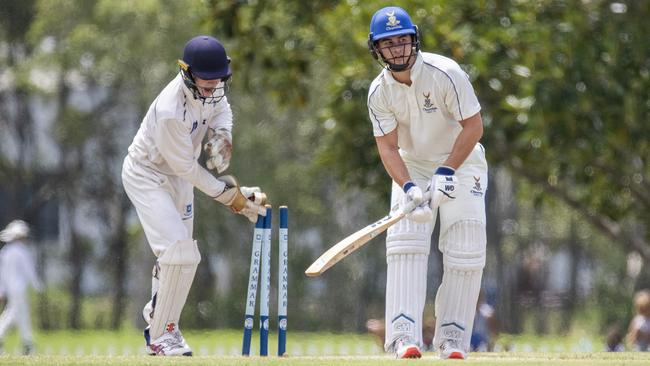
355 241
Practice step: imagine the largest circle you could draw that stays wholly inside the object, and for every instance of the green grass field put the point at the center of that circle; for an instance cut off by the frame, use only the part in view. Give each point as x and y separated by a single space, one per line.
485 359
223 347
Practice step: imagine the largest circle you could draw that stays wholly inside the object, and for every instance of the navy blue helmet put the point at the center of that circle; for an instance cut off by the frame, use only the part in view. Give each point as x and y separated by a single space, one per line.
205 57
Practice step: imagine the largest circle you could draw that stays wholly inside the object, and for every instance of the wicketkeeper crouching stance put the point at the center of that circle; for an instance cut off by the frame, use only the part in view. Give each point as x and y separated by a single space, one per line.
427 125
161 170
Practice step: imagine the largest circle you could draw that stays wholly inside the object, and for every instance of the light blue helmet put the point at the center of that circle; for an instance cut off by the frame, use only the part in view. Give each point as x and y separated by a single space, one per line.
388 22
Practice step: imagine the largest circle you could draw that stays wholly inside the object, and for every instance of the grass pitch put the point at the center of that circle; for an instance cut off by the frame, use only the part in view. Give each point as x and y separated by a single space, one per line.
222 347
484 359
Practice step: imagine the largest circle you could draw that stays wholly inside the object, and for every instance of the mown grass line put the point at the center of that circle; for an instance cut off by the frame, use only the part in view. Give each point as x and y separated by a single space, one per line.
483 359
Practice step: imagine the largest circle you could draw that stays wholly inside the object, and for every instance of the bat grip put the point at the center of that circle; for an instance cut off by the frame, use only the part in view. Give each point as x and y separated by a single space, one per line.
411 205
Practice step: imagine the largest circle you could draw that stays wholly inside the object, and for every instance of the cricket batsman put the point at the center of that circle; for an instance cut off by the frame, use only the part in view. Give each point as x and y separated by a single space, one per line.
426 123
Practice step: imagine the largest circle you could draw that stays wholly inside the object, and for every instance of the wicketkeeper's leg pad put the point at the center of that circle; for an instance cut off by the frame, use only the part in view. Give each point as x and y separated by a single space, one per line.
407 251
147 312
463 247
177 268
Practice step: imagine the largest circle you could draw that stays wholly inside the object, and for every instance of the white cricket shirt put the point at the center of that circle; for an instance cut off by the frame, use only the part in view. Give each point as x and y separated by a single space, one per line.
170 136
427 112
17 269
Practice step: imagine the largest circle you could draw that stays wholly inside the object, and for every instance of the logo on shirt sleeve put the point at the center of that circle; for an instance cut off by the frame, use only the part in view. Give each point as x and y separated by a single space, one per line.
428 107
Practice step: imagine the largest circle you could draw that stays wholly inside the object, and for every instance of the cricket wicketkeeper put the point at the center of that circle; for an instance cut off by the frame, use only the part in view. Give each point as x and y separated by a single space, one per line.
161 171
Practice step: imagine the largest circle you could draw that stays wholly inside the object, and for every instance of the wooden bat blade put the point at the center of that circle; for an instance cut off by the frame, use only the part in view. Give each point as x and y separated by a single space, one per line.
351 243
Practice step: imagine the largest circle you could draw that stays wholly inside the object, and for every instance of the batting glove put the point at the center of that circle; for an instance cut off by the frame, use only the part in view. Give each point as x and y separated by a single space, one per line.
442 186
413 197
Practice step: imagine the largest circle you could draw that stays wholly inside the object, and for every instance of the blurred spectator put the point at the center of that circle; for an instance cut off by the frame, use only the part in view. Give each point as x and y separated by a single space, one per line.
614 340
17 274
638 333
485 328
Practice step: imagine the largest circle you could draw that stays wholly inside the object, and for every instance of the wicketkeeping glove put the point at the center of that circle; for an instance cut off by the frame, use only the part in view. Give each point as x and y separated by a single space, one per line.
442 186
219 150
247 201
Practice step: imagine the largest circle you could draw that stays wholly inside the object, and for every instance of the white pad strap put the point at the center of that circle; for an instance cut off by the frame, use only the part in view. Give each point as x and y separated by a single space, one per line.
405 296
177 268
463 248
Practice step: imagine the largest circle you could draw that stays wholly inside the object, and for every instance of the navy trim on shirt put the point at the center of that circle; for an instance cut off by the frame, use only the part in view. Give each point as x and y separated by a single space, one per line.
452 83
372 112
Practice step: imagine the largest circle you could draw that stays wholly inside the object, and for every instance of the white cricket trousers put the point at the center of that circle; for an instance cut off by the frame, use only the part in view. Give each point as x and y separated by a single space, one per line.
17 312
164 204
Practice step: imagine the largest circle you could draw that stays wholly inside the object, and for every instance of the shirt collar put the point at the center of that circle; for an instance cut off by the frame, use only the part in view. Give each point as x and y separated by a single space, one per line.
188 93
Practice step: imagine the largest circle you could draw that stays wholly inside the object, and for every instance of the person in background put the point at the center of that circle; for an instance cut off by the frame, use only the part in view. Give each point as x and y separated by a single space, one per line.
486 327
614 339
638 333
17 275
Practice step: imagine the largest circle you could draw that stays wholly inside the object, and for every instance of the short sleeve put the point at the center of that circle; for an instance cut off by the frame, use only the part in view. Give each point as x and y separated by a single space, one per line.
383 120
460 99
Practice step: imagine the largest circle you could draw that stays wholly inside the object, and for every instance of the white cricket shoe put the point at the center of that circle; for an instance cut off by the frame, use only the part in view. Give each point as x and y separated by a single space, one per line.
449 349
405 347
171 343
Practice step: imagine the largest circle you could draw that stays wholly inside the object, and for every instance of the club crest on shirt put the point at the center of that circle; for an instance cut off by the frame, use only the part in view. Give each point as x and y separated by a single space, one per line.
188 212
477 190
428 107
392 23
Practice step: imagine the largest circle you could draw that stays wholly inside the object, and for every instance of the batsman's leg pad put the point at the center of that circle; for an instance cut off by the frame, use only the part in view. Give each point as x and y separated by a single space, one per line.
463 247
407 250
405 296
177 268
409 237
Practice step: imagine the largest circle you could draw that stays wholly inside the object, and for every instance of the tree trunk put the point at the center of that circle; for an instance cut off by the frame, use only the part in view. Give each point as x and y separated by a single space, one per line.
572 294
119 252
76 259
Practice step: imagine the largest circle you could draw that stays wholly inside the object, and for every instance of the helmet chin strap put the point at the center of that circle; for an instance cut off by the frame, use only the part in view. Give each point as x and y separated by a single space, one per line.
188 79
399 67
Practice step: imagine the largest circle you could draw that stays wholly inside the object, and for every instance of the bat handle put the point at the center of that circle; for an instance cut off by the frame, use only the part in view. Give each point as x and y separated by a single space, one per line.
411 205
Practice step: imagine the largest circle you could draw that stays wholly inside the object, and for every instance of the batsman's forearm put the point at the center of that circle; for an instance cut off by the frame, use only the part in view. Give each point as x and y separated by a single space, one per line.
465 142
395 166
